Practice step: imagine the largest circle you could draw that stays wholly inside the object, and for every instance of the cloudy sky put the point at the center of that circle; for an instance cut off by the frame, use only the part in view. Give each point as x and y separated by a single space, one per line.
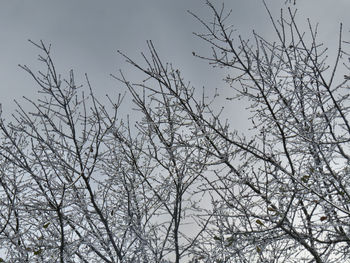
85 35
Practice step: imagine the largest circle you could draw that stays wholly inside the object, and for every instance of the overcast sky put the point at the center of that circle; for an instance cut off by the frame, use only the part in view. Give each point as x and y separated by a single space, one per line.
86 34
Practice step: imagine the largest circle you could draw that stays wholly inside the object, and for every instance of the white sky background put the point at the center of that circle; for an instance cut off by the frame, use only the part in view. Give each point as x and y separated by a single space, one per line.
85 35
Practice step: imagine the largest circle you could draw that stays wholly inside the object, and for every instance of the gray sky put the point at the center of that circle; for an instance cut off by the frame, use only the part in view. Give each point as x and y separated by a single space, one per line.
85 35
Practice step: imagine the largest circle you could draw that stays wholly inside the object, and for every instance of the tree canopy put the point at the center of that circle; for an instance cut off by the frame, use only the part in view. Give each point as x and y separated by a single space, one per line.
80 183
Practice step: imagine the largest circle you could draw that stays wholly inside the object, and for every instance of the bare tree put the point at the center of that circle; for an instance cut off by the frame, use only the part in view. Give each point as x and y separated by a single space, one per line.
57 208
179 183
281 195
78 185
288 199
